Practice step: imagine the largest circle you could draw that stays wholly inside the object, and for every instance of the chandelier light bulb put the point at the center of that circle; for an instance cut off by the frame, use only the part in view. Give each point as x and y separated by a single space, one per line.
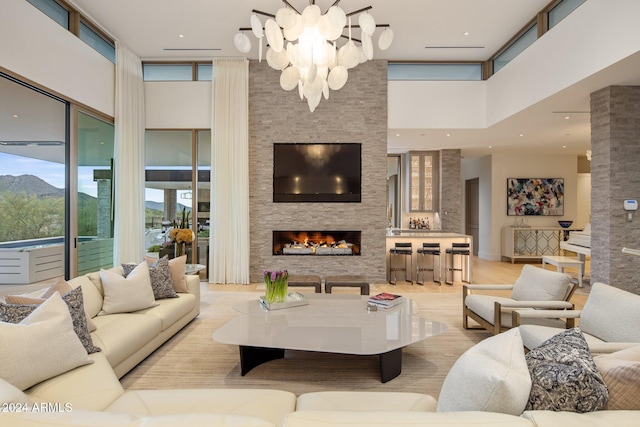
308 47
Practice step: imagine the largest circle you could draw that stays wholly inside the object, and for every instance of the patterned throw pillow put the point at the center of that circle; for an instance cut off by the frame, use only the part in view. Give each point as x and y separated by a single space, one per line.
15 313
161 280
176 267
61 286
564 376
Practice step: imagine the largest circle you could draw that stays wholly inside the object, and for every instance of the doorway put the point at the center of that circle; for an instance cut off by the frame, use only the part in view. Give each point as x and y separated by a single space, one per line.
472 211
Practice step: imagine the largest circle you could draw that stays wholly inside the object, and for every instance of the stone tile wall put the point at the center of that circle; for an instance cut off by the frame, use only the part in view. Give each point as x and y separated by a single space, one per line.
615 147
451 191
356 113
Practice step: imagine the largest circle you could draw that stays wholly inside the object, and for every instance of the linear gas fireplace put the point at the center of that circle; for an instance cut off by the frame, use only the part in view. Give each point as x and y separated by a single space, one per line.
316 242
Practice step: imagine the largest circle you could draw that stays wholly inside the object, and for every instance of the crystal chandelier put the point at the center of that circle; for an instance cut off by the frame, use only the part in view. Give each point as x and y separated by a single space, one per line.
312 61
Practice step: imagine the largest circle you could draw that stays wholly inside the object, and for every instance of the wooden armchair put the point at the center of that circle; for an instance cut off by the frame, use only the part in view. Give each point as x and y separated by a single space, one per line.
535 288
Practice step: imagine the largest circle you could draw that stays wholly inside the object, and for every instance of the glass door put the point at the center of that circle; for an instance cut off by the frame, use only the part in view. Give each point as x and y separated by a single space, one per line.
95 194
204 210
169 194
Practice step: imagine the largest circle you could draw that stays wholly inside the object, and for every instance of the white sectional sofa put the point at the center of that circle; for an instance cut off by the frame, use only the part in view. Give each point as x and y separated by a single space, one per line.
126 339
91 394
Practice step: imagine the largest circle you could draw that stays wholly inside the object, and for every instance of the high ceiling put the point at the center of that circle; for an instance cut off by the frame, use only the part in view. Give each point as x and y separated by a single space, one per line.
424 30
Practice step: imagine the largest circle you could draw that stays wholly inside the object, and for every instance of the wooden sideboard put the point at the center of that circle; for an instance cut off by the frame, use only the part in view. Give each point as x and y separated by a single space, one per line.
531 242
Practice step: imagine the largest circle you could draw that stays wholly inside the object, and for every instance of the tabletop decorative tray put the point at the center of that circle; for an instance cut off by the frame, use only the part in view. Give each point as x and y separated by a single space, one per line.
294 299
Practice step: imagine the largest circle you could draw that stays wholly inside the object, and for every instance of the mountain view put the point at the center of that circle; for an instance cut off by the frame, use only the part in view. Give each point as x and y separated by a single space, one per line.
32 208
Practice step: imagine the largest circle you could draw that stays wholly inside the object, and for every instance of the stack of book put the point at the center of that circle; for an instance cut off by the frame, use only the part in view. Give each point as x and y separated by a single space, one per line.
385 300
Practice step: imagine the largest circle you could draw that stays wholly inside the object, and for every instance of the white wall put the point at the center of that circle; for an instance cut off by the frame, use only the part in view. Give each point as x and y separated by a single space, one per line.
178 105
607 32
583 215
38 49
425 104
513 166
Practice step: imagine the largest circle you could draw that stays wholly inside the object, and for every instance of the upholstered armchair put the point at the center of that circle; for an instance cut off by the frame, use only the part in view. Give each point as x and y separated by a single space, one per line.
609 321
535 289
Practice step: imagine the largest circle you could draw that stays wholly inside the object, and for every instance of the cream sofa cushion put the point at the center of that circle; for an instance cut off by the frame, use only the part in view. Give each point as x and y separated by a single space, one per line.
588 419
270 405
170 310
41 346
596 318
537 284
621 374
121 335
90 387
491 376
401 419
366 401
77 418
11 394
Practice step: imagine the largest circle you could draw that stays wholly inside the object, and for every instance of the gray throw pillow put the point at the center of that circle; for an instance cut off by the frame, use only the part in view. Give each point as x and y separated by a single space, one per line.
564 376
15 313
161 280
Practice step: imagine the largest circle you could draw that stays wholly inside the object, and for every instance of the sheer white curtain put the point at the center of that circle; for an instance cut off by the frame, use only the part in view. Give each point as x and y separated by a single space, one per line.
229 255
129 157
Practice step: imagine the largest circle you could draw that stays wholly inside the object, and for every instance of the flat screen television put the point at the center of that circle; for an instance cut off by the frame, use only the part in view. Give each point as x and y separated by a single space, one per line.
317 172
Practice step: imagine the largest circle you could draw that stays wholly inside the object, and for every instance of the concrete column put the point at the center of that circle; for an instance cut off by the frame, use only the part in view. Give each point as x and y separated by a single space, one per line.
170 203
615 176
104 208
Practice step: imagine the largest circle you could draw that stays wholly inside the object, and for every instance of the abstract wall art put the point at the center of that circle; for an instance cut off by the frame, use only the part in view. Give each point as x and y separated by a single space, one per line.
535 196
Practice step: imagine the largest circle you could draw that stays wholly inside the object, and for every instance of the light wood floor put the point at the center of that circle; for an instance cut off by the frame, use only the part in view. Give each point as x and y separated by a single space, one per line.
485 272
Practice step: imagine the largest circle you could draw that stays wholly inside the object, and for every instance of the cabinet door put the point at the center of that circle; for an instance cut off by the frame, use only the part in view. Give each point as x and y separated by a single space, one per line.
423 181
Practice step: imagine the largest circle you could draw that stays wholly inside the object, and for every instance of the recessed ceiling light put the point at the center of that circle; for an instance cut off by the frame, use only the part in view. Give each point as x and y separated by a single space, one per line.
522 134
181 36
567 117
564 146
15 116
466 33
397 134
491 146
448 134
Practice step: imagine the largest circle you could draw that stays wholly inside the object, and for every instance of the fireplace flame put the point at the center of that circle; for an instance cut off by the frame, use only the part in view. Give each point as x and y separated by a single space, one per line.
311 240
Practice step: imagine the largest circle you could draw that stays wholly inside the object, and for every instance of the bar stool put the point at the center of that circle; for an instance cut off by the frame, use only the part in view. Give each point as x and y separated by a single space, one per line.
403 250
463 250
432 249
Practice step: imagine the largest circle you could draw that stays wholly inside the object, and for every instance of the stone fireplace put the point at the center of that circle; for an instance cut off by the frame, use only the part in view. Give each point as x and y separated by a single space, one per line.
320 243
357 113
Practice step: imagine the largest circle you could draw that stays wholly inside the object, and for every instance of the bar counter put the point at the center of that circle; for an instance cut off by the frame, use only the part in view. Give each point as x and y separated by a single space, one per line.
417 238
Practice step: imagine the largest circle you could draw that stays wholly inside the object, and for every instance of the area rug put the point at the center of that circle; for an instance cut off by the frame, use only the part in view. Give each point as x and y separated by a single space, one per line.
192 359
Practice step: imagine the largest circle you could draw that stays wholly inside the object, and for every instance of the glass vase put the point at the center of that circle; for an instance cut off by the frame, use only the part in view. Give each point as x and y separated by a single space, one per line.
179 249
277 290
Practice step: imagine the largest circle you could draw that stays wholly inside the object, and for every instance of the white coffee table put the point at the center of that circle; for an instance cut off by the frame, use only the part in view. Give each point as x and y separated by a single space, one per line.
331 323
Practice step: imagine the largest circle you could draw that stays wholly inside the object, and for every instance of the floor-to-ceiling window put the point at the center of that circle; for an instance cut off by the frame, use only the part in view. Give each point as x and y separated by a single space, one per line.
33 147
168 188
55 186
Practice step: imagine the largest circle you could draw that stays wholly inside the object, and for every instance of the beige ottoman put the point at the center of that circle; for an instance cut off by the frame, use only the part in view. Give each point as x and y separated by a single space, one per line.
346 282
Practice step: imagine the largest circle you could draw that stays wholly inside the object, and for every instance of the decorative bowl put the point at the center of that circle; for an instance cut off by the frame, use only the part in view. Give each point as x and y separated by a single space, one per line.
565 224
